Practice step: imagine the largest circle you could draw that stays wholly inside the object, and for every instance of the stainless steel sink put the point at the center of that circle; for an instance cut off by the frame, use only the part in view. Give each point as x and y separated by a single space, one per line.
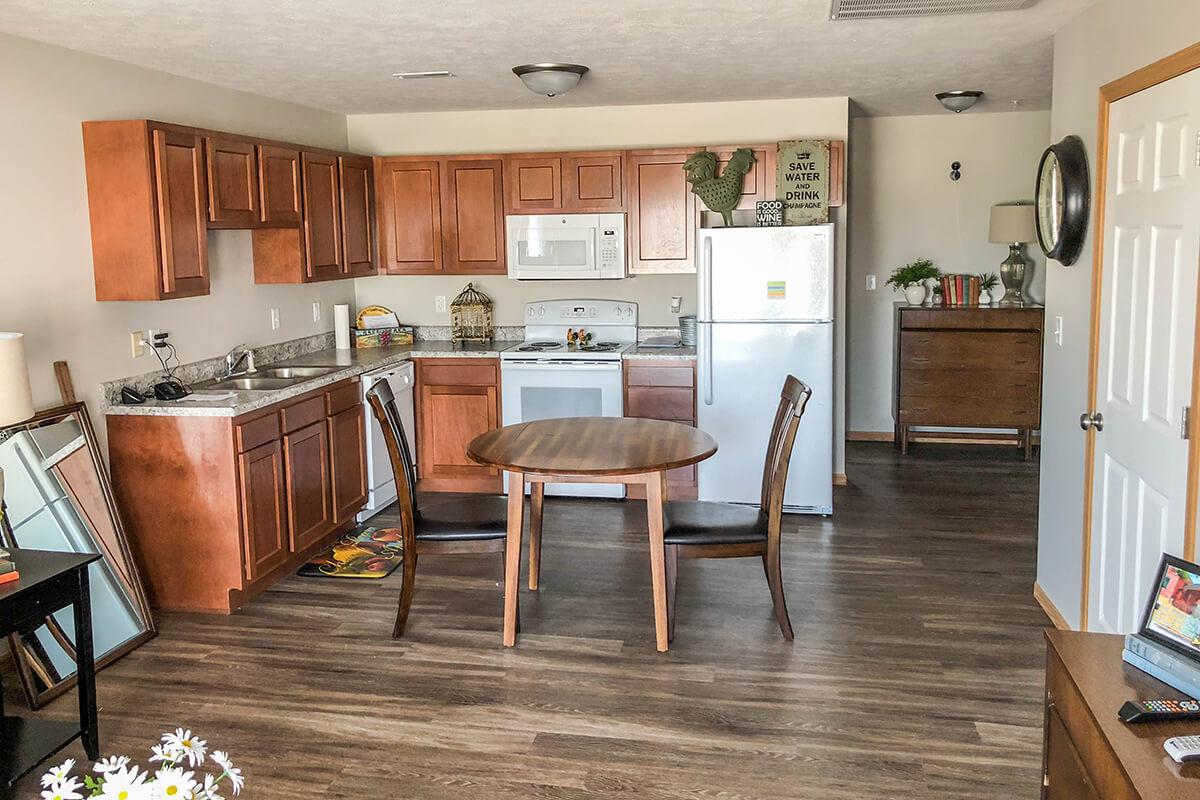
296 372
255 384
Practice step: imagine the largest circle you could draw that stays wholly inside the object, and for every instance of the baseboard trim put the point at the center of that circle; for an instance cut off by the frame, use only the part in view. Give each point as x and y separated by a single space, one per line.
945 437
840 479
1039 594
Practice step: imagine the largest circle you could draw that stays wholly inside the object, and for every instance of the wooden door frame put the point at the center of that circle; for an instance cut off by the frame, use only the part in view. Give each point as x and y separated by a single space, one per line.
1161 71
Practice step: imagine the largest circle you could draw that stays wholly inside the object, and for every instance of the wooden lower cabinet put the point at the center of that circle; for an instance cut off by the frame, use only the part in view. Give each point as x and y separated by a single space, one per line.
219 508
457 400
664 390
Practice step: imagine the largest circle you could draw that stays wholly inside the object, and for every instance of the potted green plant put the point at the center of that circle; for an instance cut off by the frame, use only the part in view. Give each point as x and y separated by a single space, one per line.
911 278
987 282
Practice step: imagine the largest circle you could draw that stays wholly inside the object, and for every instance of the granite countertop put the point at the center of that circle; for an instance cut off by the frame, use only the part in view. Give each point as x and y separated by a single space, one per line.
677 353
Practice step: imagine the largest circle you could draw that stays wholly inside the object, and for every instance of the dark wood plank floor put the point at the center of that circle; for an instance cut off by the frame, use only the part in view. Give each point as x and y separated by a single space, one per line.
916 670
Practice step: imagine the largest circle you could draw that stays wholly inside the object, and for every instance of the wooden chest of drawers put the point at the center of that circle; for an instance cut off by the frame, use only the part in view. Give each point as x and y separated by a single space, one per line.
968 367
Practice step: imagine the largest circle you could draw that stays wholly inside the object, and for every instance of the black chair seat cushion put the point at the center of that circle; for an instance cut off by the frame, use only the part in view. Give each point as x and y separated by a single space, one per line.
690 522
472 518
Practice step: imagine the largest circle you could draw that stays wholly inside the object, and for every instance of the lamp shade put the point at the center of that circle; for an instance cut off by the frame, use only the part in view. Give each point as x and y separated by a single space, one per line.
1012 223
16 400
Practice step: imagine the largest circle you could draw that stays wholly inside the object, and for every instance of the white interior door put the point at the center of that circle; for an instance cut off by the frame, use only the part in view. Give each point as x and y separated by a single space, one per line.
1147 322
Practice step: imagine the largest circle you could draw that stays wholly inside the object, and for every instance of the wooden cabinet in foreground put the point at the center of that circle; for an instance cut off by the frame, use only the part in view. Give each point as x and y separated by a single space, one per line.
457 400
219 508
664 390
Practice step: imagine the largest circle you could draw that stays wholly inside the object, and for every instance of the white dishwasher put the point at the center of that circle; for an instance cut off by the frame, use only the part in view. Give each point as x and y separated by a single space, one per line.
381 481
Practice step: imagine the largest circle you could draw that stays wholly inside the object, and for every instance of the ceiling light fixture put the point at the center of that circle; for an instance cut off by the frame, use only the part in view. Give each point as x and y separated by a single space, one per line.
550 78
958 102
433 73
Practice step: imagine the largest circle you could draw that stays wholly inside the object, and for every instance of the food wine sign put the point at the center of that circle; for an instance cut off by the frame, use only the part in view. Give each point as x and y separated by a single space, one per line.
802 181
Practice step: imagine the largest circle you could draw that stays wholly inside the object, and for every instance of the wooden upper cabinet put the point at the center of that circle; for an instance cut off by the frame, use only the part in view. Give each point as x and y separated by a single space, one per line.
410 215
179 185
322 217
759 183
232 182
533 183
473 216
593 182
358 221
662 212
279 185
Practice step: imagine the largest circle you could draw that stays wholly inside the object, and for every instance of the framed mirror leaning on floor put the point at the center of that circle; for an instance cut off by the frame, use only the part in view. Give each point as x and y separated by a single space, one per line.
57 496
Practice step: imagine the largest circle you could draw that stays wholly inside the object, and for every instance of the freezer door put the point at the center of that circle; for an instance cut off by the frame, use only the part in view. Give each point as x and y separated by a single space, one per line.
741 370
776 274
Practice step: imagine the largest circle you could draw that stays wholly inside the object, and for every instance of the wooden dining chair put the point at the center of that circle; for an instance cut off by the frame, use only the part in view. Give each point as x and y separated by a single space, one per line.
694 529
475 524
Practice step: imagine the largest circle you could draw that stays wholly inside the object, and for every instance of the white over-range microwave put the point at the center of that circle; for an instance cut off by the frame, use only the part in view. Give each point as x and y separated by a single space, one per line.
566 246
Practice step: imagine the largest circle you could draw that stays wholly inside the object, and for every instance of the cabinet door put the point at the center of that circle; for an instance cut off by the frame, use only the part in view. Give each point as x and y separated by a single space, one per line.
358 205
662 213
183 230
473 216
310 512
279 184
759 182
410 215
533 182
232 182
450 416
1066 777
348 460
264 519
322 218
593 182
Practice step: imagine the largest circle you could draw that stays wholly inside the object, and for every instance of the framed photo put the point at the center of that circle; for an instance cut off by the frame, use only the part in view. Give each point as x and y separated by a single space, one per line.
1172 616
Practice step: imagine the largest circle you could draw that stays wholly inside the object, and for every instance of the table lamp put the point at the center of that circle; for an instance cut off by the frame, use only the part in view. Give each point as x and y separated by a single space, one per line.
1012 224
16 400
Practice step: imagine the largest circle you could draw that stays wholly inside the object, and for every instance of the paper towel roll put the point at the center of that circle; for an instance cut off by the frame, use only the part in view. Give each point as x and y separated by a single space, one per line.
341 326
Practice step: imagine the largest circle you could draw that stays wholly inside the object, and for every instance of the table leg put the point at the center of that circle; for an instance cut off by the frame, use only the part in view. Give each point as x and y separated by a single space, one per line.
537 497
655 493
85 667
512 554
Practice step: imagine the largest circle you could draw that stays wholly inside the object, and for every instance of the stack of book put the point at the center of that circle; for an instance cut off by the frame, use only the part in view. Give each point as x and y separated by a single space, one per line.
960 290
8 568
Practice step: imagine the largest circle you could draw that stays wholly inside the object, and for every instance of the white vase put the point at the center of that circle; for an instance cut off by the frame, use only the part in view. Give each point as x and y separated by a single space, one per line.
985 297
915 294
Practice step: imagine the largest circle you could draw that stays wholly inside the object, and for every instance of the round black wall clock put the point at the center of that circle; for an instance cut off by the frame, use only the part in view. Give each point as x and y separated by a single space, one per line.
1063 200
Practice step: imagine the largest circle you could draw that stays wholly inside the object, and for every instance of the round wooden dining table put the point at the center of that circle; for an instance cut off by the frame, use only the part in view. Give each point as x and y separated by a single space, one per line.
587 450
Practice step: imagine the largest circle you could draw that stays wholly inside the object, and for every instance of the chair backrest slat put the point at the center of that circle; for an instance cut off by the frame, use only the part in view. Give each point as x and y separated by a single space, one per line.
792 401
383 405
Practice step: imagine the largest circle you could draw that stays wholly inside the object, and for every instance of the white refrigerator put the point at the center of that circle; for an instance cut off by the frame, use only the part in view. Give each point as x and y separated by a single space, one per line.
766 310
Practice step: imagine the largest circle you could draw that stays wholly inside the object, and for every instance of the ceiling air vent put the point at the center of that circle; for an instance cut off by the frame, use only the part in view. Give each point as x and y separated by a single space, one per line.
874 9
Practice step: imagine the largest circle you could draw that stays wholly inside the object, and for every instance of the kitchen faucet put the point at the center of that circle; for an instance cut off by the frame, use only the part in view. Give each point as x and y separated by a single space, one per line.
234 359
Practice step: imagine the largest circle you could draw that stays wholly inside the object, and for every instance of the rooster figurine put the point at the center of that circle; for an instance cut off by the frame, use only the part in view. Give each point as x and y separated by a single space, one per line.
720 194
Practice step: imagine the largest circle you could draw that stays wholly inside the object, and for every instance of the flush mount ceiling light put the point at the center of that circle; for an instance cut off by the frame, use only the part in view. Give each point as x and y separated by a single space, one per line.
875 9
550 78
958 102
433 73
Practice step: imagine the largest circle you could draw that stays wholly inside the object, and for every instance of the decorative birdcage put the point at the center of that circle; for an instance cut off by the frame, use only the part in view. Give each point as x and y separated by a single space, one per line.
471 316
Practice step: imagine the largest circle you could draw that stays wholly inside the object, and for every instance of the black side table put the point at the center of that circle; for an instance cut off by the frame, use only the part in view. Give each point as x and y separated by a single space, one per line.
49 582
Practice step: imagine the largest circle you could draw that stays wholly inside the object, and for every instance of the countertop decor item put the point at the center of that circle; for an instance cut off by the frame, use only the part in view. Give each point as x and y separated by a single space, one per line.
1063 200
376 326
471 316
719 193
911 279
687 330
802 181
341 326
550 78
960 290
1012 224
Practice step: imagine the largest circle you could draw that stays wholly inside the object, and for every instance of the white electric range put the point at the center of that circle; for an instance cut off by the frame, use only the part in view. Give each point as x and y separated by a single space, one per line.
544 377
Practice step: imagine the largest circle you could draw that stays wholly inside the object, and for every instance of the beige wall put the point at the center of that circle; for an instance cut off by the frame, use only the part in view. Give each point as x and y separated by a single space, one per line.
906 207
581 129
45 241
1111 39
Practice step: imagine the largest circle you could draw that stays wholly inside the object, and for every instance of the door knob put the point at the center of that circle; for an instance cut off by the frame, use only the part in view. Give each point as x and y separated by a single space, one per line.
1091 421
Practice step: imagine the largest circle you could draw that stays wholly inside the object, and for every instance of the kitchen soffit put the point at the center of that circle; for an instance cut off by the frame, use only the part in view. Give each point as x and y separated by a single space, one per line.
340 55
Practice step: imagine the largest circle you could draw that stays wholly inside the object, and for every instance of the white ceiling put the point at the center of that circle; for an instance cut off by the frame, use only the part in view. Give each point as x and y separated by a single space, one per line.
339 55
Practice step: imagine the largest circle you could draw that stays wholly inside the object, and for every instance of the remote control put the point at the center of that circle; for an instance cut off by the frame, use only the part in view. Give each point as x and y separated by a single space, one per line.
1183 748
1158 710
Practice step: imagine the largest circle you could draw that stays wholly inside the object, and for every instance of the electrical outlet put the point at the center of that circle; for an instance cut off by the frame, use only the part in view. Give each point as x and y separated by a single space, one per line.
137 344
1058 331
274 319
870 283
439 304
316 311
676 304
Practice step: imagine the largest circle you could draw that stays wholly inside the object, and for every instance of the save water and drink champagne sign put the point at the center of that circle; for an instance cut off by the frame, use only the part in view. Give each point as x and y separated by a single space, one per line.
802 181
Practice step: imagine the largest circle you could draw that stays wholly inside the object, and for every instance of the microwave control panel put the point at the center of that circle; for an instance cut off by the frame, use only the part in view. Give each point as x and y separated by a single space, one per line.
610 246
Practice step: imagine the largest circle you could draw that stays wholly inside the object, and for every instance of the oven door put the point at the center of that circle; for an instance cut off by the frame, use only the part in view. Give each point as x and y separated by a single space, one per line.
548 389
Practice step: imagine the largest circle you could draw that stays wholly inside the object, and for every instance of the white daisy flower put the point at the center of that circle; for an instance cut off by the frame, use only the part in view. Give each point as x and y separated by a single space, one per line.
165 754
222 759
235 778
172 783
58 774
63 790
191 746
126 783
211 788
110 764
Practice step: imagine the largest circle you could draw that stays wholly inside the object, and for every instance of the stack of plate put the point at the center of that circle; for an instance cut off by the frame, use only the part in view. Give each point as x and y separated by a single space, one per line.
687 330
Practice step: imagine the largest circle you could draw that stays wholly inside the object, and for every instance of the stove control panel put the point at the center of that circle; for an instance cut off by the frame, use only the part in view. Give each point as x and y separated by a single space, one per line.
596 312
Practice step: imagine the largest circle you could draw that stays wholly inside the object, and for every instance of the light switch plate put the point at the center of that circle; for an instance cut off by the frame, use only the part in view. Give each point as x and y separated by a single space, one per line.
439 304
137 346
1058 331
870 283
676 304
274 319
316 311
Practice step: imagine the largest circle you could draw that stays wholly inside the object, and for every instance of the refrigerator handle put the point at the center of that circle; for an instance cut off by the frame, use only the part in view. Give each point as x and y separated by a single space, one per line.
707 364
706 279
